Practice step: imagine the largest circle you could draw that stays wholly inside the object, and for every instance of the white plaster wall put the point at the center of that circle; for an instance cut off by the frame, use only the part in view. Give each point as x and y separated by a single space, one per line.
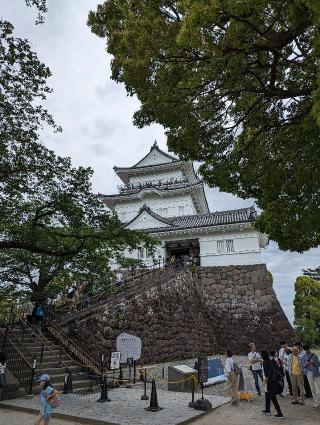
155 202
147 260
154 157
146 221
155 177
246 249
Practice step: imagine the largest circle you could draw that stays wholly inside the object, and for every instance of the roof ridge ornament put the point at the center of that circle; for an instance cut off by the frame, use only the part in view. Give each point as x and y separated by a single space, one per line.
155 144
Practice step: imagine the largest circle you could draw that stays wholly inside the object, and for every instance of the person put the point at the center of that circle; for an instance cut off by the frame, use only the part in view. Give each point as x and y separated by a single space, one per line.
3 360
46 394
313 374
38 313
28 312
296 366
255 361
271 384
302 355
284 353
232 375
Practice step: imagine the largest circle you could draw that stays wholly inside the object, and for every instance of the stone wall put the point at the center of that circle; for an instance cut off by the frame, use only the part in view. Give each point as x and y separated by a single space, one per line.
191 314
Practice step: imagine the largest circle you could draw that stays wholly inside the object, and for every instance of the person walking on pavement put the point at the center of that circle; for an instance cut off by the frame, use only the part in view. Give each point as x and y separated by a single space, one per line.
313 374
284 353
232 372
272 385
302 356
255 362
296 375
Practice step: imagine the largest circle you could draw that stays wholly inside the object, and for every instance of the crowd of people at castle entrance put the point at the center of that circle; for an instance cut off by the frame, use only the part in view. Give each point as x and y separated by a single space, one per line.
293 372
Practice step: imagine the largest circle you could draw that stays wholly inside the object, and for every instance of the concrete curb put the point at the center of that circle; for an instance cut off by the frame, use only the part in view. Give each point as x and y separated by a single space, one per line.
59 415
189 421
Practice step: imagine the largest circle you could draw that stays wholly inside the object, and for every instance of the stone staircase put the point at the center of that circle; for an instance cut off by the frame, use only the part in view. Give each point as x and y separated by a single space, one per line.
54 360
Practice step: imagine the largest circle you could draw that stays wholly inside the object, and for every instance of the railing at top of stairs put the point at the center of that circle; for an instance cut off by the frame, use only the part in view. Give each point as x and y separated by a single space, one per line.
156 276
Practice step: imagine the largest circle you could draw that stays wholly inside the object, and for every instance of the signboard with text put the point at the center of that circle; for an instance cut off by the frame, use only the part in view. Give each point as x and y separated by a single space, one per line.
202 369
115 360
129 346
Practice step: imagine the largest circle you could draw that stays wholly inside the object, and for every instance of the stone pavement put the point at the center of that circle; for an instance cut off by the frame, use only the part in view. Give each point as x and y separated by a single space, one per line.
126 407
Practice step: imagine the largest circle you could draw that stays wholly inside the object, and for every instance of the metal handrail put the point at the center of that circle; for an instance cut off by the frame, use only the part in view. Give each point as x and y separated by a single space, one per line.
74 348
19 364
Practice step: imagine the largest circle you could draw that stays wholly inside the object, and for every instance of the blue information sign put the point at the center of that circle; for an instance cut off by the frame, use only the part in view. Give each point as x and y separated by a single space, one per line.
215 372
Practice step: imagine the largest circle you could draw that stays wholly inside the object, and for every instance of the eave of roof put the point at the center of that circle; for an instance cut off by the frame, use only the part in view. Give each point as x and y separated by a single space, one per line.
215 219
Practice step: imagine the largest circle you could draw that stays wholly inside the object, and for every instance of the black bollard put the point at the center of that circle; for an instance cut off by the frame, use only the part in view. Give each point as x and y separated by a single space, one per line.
104 391
154 407
67 386
145 396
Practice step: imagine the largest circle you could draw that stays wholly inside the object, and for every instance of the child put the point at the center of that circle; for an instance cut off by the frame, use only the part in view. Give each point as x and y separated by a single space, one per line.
46 394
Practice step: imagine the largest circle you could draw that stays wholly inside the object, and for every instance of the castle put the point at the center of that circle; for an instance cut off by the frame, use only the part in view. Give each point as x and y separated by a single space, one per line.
163 196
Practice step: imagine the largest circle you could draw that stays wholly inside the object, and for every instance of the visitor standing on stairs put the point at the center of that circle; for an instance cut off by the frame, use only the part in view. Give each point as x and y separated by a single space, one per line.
2 372
38 313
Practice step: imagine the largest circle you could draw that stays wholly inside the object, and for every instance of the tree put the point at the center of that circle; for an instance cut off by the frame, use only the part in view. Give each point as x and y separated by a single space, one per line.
313 273
307 309
236 86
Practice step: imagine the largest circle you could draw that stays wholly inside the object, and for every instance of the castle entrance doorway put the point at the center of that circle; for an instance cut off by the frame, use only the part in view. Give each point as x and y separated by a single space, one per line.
183 252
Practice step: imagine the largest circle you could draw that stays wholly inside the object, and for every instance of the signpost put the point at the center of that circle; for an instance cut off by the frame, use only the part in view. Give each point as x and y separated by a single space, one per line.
202 404
130 364
115 360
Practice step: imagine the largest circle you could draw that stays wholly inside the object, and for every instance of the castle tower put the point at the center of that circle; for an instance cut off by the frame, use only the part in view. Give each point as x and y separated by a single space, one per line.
162 195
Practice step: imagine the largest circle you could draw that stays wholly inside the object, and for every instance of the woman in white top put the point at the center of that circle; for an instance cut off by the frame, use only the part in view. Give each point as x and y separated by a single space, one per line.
232 378
2 370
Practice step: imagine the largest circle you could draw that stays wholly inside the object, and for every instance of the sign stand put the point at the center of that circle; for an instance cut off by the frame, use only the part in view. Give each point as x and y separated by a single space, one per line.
202 403
145 396
130 362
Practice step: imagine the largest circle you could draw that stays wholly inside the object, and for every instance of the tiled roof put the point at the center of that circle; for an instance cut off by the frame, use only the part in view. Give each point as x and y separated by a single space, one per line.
218 218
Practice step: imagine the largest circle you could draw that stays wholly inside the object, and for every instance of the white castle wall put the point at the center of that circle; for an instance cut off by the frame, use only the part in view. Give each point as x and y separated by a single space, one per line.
246 248
166 206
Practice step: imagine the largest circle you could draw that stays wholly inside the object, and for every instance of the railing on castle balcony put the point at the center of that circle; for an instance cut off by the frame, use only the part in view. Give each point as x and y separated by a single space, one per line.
130 187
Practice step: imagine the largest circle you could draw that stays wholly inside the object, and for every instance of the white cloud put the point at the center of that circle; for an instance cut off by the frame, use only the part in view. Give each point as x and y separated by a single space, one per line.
96 115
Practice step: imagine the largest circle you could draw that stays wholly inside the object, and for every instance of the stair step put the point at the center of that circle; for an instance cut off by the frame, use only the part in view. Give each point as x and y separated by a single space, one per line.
55 370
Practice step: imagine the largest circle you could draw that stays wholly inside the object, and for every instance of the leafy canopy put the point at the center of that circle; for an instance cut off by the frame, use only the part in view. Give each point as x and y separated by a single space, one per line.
53 228
307 309
236 86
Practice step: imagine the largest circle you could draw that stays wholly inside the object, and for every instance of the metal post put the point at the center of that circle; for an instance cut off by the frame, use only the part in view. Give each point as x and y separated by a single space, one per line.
129 383
23 331
134 372
60 356
191 404
41 355
104 391
32 376
120 373
162 372
144 396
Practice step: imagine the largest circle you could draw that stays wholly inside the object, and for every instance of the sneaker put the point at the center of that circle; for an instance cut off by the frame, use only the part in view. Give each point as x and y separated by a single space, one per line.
279 416
295 402
266 413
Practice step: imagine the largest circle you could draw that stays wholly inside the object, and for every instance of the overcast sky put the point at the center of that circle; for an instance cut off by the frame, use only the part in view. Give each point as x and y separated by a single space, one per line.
96 116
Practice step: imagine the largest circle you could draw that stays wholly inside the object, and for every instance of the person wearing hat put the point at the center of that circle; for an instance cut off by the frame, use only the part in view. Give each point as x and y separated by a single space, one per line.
46 393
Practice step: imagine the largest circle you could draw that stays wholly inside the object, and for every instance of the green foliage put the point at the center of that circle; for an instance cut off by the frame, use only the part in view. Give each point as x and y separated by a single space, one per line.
236 86
307 309
54 231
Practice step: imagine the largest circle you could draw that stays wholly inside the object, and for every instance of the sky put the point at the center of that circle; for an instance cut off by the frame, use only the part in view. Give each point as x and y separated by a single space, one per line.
96 116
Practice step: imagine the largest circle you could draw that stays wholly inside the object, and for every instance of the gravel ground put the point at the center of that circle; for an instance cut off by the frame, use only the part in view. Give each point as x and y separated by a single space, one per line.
156 371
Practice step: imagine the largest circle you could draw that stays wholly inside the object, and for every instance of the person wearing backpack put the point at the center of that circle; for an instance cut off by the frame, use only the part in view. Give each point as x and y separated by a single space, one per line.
232 372
273 388
48 400
313 374
39 315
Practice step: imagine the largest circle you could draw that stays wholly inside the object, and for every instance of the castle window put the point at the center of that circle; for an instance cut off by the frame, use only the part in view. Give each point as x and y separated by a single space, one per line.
220 246
140 253
229 245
